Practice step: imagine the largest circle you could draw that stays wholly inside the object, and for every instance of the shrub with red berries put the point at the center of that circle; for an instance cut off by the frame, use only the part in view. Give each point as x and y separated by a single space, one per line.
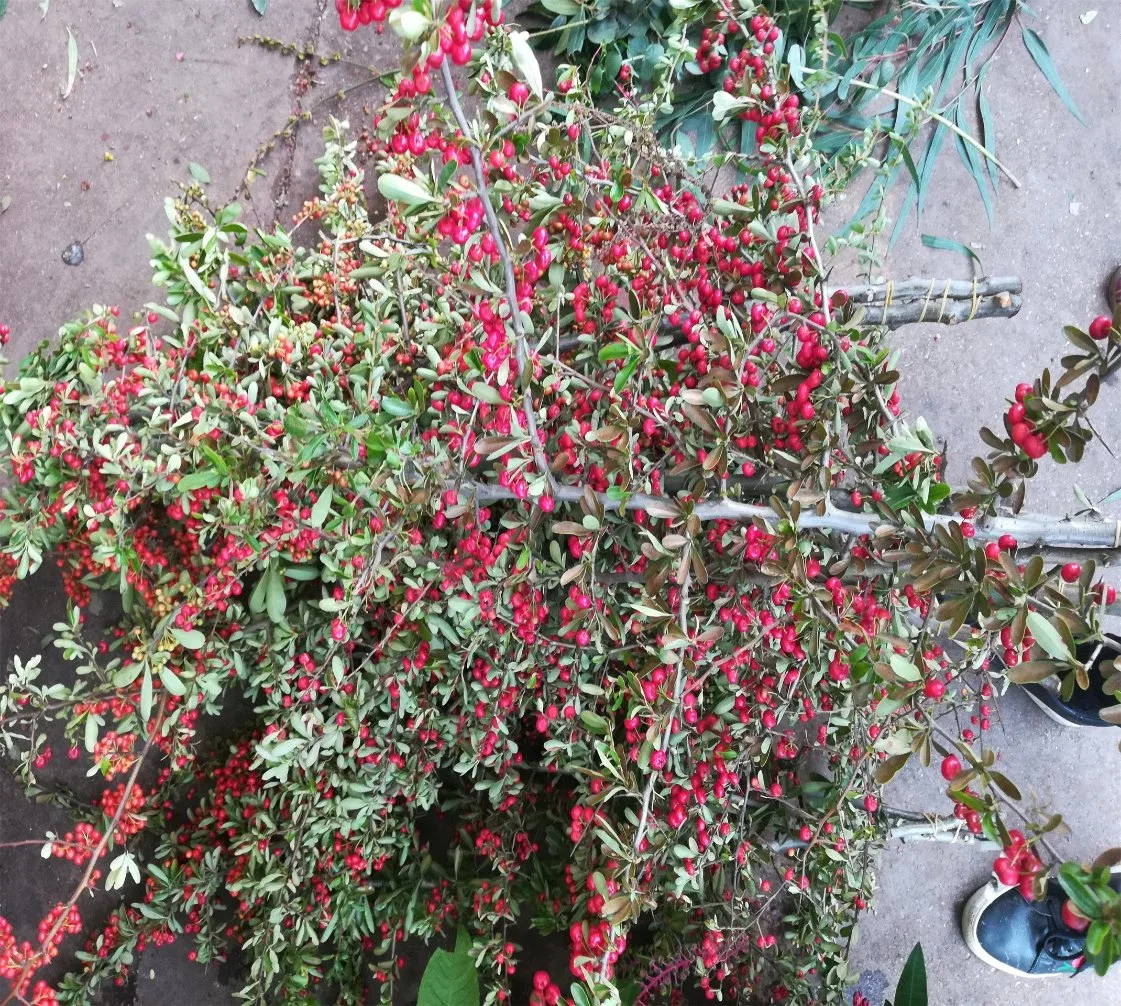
563 537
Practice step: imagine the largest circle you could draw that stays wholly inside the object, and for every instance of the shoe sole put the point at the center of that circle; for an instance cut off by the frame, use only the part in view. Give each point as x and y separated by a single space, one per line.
1061 720
971 920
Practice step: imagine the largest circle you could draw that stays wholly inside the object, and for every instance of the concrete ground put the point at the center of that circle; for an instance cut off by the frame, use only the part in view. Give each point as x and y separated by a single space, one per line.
162 84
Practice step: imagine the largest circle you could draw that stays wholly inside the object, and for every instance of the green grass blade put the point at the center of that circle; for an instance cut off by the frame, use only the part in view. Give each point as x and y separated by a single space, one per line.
988 127
972 159
948 244
1042 56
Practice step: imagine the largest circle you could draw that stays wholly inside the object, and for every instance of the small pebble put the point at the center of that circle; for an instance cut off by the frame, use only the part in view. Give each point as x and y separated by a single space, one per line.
73 254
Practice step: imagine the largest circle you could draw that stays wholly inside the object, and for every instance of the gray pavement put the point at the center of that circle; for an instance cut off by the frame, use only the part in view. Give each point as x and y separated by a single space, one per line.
164 82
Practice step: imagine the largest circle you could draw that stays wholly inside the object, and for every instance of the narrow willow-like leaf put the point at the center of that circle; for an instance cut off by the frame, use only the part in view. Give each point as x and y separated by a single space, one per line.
1042 56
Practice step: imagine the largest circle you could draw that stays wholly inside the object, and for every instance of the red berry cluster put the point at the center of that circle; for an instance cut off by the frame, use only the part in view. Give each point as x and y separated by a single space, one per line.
1018 866
1020 426
545 992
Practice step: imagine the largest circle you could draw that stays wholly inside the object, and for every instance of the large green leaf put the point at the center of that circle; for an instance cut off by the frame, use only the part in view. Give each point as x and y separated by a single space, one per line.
1047 637
911 990
450 979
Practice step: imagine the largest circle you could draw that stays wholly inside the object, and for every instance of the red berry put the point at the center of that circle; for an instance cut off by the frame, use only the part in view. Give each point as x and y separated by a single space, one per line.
461 53
1005 872
1020 432
951 766
1016 413
1034 446
1007 542
348 20
519 92
871 804
992 551
1101 326
935 688
1070 572
1072 918
1022 391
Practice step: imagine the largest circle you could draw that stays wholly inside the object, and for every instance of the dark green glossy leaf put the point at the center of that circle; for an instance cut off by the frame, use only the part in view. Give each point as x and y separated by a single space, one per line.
911 990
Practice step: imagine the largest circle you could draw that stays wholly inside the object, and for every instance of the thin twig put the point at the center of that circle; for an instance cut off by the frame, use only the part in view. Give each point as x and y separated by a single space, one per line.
30 966
521 344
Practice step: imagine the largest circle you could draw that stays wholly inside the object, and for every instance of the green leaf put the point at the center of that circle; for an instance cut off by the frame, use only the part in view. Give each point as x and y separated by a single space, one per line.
1075 881
397 408
603 31
526 61
911 990
1039 52
146 694
198 172
972 160
260 591
275 600
198 480
71 63
565 7
948 244
409 24
3 7
189 639
260 6
904 668
1047 637
615 351
449 980
322 507
170 680
988 129
626 374
404 190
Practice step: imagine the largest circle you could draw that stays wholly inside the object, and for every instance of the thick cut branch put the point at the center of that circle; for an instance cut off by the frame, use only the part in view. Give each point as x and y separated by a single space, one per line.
1031 530
944 301
915 300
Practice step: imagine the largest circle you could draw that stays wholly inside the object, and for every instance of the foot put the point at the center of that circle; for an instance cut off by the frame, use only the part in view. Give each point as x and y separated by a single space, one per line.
1029 939
1084 707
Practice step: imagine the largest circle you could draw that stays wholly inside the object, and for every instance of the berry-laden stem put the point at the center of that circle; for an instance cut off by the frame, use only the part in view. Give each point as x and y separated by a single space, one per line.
521 343
678 689
30 966
1032 530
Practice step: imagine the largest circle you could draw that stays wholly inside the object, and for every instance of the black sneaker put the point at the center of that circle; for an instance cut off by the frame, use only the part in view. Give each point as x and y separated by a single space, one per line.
1028 939
1084 707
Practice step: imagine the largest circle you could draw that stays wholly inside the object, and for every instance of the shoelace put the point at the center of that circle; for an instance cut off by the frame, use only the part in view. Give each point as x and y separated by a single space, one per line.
1058 940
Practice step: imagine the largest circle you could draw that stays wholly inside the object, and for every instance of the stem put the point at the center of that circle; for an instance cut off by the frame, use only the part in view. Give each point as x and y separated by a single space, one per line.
521 344
678 688
957 130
